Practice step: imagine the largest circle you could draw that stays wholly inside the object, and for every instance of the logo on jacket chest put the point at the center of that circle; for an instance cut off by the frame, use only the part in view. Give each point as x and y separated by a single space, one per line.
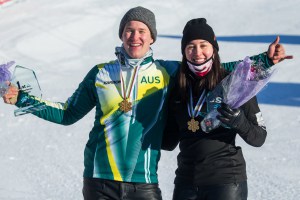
112 82
150 79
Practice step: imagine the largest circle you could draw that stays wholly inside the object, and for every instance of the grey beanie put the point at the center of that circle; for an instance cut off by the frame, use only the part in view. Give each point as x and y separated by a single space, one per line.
139 14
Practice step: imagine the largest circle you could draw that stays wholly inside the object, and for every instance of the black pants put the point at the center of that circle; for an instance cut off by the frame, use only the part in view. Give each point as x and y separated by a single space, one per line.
100 189
232 191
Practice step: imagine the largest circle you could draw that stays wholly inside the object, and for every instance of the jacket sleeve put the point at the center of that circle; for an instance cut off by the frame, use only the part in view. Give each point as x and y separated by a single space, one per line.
254 131
263 57
77 106
171 132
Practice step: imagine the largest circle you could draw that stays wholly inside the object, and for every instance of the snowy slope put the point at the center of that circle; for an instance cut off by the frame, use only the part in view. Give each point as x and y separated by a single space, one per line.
41 160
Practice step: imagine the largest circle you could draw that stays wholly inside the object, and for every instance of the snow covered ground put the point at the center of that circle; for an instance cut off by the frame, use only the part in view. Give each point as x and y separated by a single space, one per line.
62 40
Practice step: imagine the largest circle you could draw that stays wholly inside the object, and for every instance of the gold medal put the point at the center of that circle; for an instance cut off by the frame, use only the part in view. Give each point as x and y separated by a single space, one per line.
125 105
193 125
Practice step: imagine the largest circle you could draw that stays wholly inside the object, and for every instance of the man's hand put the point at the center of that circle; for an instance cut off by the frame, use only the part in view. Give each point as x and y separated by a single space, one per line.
11 95
276 52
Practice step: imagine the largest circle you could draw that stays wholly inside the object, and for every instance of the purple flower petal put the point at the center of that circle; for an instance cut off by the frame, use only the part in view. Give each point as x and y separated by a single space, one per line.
5 74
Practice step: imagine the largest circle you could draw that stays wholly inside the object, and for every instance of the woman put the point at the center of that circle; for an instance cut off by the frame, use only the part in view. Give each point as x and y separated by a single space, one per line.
210 165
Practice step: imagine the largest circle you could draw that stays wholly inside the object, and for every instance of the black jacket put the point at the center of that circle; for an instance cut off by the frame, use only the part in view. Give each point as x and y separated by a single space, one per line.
210 158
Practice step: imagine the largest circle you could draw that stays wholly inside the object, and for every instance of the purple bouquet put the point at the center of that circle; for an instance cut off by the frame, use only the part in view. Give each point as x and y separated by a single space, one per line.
5 76
247 79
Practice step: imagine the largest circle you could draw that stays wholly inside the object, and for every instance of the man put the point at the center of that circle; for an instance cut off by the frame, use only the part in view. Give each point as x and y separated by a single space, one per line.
130 96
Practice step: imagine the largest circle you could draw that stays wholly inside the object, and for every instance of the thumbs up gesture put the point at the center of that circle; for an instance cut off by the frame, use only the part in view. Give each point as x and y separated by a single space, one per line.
276 52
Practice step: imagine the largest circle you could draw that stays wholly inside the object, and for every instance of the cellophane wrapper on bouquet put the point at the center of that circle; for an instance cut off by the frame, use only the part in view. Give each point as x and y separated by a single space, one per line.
5 76
247 79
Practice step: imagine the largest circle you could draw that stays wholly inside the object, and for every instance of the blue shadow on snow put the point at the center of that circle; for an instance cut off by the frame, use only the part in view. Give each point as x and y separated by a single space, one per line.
284 39
285 94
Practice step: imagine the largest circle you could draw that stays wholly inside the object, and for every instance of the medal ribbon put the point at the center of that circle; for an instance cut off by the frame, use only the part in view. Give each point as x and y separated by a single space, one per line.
195 112
124 59
127 92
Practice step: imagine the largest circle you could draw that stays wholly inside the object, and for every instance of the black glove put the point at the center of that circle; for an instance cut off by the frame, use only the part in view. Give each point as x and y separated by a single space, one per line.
234 118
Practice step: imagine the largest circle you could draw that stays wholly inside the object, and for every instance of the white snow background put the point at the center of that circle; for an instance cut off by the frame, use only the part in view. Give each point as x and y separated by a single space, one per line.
61 40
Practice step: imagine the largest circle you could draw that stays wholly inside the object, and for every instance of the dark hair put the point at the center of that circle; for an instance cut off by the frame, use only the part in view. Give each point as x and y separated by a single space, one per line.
187 79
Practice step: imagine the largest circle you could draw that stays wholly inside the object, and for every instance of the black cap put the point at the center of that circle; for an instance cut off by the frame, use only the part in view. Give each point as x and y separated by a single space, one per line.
198 29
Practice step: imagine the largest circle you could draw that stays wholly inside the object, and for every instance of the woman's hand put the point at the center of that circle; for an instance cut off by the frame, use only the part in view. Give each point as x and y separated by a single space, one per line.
276 52
233 118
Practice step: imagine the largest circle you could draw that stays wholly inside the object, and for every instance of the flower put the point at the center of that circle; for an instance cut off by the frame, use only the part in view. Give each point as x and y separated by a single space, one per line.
245 82
247 79
5 76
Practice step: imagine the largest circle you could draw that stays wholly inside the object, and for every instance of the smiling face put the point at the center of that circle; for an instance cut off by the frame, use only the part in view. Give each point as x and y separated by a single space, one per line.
198 51
136 39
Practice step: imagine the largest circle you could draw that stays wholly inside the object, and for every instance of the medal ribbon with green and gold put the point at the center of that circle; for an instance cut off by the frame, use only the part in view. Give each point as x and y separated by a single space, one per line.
193 125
